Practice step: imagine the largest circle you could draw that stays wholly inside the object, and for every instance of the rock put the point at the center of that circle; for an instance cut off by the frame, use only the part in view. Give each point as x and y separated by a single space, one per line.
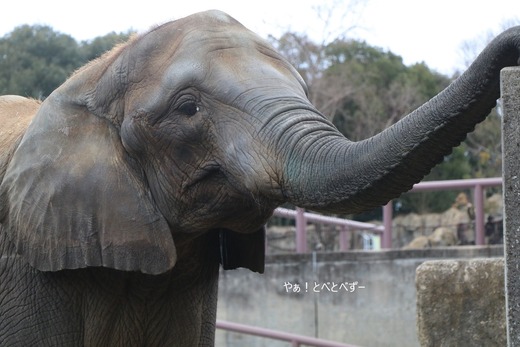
408 227
419 242
461 303
441 237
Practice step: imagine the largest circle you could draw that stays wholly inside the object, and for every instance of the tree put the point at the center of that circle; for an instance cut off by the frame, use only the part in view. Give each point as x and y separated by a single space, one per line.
381 89
99 45
364 89
480 155
483 146
34 60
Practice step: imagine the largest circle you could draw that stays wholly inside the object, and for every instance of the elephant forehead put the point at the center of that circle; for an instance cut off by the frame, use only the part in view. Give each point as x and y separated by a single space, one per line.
229 72
227 61
233 76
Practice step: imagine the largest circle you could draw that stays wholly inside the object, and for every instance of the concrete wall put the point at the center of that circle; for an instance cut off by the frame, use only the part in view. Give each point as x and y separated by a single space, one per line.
381 314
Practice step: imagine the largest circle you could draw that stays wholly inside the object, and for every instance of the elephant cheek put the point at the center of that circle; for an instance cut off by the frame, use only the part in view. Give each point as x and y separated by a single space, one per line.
131 138
249 170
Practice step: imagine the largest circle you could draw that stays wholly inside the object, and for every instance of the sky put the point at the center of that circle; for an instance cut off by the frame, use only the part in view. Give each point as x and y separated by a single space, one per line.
419 31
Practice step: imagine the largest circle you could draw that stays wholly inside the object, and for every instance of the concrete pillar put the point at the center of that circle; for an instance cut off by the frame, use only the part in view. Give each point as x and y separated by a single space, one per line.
461 303
510 90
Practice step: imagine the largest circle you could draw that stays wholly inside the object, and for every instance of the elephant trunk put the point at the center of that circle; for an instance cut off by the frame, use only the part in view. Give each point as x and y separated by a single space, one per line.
326 172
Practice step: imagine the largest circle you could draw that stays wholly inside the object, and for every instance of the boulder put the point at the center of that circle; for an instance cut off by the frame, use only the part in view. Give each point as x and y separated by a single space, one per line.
419 242
441 237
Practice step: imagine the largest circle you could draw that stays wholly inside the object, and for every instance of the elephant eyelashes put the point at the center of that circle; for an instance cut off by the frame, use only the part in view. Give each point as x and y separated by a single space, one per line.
188 108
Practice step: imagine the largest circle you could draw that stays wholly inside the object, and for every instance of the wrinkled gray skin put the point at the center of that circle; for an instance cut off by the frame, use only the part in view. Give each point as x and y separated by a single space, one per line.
166 156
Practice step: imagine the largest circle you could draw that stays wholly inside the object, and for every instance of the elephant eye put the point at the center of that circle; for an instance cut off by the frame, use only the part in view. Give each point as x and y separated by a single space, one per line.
188 108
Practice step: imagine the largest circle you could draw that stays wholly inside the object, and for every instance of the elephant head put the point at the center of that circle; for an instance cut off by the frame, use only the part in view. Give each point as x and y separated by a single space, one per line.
200 126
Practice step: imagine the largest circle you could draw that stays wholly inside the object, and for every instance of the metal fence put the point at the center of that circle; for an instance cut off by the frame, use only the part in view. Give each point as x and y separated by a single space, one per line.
477 185
294 339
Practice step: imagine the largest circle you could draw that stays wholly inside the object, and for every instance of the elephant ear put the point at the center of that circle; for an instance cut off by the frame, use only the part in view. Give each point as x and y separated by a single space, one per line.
72 197
243 250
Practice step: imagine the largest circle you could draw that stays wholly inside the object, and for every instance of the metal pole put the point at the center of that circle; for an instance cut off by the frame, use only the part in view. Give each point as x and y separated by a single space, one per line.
387 222
301 234
344 244
479 214
279 335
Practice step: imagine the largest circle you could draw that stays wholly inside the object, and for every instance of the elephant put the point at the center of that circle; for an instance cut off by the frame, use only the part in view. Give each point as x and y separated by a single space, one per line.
125 190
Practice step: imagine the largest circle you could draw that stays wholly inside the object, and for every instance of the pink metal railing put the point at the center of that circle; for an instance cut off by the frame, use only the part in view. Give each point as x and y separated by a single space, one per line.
477 184
294 339
302 218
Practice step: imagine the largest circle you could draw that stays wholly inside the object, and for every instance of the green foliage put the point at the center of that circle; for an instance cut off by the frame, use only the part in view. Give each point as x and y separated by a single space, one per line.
35 60
95 48
382 89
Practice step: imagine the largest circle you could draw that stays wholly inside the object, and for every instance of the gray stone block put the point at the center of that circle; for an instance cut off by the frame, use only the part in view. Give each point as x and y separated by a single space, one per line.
461 303
510 91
